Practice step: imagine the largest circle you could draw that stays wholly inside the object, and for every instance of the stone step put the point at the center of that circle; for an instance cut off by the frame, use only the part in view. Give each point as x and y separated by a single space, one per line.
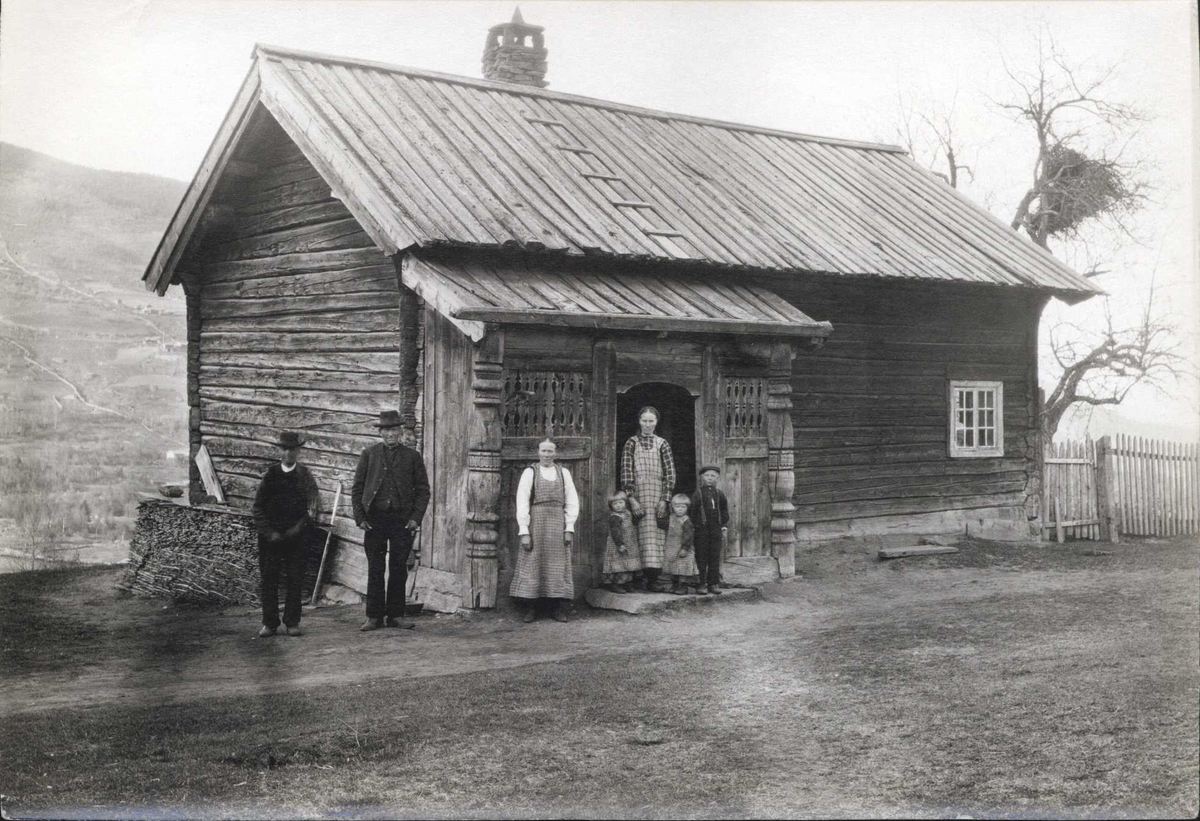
749 571
640 604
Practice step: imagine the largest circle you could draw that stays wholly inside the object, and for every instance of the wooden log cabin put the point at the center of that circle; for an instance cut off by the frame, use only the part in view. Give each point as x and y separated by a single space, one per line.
851 339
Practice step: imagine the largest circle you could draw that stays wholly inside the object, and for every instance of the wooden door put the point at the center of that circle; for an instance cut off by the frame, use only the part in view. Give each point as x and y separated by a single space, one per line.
745 485
741 442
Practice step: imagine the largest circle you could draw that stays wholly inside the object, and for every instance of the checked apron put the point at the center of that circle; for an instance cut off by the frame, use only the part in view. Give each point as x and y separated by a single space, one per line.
648 486
546 569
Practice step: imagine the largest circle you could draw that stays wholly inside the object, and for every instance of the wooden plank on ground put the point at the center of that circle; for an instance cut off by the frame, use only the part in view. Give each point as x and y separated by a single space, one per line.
915 550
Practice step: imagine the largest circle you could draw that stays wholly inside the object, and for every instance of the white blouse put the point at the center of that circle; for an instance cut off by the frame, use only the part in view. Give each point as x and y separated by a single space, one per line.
525 489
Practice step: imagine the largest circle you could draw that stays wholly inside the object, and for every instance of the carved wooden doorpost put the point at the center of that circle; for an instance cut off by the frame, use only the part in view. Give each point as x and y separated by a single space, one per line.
781 458
483 466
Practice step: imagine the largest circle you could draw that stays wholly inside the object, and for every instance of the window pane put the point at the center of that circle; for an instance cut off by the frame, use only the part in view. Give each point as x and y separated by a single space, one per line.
959 437
970 438
969 419
991 438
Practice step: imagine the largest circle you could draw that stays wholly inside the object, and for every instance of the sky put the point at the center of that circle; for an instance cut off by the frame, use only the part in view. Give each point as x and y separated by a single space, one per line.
142 85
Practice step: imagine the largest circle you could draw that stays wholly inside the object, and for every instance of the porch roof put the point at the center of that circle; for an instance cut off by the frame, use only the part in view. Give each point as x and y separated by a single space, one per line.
472 294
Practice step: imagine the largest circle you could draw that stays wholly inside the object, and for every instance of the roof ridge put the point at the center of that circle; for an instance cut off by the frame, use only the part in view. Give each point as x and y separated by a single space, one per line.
511 88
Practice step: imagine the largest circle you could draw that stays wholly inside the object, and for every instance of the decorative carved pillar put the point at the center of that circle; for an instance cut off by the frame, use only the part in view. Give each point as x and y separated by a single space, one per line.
483 472
603 425
781 458
191 290
410 352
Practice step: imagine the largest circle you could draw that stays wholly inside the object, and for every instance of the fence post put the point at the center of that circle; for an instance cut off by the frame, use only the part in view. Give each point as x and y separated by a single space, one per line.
1106 495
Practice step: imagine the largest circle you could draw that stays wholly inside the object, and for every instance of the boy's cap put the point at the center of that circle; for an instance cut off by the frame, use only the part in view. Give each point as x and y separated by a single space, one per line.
707 468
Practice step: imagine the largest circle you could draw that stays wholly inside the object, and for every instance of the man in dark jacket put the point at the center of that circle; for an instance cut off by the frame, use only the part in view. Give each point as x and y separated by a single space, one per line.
390 494
286 501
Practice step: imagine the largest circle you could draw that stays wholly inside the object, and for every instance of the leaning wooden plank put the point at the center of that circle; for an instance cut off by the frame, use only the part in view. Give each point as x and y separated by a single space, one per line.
915 550
212 485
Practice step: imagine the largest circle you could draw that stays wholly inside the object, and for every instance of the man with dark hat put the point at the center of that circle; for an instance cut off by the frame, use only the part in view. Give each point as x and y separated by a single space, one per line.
287 499
390 494
709 513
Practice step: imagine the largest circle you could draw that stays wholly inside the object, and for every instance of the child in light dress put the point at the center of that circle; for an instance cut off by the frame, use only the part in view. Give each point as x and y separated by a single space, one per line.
621 555
679 562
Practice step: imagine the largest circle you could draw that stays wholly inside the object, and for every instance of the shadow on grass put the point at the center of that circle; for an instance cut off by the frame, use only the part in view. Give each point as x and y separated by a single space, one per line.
39 633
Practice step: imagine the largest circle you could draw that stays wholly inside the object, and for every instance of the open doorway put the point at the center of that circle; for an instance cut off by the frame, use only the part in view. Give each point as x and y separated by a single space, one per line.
676 424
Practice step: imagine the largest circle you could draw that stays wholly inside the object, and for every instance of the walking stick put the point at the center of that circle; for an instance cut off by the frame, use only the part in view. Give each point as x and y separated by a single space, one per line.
337 496
416 566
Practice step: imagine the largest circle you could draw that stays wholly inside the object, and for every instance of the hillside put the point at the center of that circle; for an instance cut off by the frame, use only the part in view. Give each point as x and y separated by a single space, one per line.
75 220
92 366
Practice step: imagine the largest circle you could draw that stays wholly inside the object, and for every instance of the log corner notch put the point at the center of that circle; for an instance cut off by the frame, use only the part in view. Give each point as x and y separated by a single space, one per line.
483 472
781 458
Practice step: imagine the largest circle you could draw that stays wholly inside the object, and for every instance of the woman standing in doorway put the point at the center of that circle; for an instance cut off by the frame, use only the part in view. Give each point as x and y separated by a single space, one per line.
648 478
547 507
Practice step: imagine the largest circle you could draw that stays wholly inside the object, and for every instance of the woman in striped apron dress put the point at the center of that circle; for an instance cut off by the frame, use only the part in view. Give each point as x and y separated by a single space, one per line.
648 477
547 507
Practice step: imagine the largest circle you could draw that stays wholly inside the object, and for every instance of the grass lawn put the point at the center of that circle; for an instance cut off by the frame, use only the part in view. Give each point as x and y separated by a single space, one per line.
1056 681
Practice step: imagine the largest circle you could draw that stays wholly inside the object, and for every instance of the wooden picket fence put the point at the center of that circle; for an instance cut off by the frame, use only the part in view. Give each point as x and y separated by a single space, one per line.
1157 486
1122 485
1070 504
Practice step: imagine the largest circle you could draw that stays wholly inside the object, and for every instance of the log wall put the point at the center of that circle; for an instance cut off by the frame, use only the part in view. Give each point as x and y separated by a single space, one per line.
870 410
298 325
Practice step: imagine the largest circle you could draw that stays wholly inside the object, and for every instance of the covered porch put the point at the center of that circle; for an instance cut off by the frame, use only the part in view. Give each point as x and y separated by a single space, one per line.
515 353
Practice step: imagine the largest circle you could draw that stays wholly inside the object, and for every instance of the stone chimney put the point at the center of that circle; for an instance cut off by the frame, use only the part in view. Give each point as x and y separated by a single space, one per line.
508 58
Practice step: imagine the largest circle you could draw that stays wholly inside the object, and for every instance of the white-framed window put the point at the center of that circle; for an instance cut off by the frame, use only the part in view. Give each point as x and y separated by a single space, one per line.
976 419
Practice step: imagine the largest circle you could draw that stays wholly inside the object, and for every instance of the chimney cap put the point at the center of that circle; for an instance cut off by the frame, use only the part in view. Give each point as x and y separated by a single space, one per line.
517 24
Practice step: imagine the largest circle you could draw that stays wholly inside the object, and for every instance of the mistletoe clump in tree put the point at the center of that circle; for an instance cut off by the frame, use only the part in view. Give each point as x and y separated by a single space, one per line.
1071 189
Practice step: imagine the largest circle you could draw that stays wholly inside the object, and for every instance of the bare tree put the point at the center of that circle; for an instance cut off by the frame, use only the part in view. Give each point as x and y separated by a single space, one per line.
1084 188
932 136
1101 367
1081 171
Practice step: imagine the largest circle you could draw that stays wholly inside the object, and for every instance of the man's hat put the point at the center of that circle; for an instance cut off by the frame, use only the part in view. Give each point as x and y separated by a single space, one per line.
707 468
388 419
289 439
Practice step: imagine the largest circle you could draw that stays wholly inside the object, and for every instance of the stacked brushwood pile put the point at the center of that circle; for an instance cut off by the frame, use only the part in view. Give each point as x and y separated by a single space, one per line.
201 554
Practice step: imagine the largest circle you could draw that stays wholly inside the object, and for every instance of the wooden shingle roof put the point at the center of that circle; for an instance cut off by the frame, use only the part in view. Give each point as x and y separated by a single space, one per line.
425 160
472 294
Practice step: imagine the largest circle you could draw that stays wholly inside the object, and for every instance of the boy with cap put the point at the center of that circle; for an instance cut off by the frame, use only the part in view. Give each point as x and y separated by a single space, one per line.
709 513
390 494
286 501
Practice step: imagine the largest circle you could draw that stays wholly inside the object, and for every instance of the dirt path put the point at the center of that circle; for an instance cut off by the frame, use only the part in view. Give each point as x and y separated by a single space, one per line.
142 652
1002 681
